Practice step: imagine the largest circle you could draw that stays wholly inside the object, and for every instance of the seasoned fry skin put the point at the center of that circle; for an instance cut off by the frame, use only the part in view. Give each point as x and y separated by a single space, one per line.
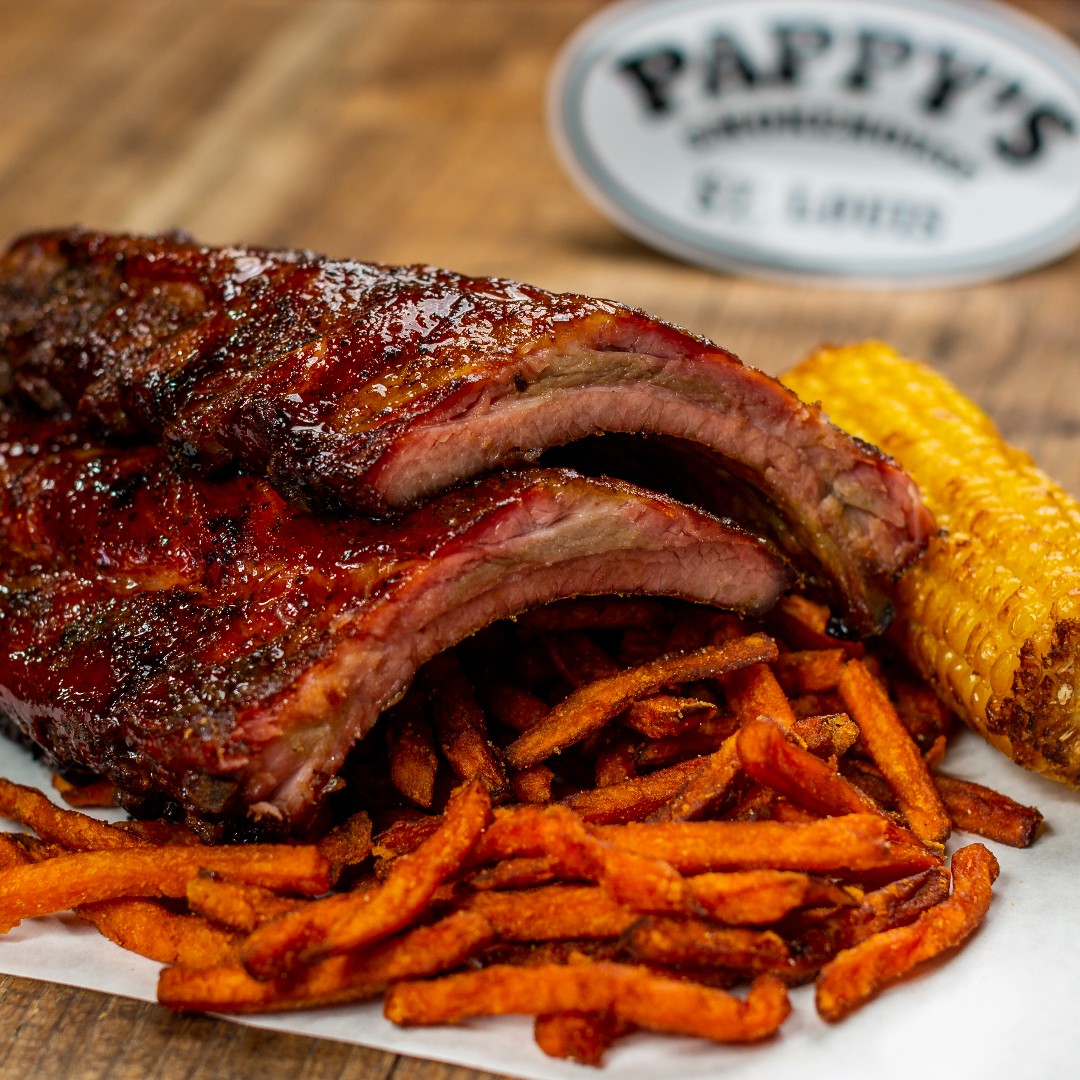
991 614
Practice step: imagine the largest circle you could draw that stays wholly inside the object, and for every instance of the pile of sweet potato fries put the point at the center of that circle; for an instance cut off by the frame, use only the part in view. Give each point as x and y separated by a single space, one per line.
610 815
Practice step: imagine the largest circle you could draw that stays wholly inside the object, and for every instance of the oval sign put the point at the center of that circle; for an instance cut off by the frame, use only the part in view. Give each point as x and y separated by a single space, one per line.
900 142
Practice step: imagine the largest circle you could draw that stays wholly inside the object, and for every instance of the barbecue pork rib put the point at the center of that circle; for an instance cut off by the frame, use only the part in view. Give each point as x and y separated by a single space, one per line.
206 642
375 387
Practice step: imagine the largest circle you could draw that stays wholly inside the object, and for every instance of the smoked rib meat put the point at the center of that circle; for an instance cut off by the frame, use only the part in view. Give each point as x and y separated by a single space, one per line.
205 643
374 387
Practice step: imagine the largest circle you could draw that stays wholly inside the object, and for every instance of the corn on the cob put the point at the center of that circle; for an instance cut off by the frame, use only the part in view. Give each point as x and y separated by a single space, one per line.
991 614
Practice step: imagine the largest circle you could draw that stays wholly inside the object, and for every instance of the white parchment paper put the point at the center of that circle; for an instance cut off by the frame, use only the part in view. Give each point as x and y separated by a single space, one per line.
1004 1005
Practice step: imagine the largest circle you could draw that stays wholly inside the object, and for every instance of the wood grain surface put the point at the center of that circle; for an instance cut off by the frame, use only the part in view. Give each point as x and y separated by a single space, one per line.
405 131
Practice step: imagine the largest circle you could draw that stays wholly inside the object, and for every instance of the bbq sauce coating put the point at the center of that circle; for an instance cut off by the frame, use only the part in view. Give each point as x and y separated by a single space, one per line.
374 387
209 643
298 366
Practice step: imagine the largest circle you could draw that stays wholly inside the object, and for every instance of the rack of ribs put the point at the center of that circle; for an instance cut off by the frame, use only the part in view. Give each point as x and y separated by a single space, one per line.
205 641
246 494
374 387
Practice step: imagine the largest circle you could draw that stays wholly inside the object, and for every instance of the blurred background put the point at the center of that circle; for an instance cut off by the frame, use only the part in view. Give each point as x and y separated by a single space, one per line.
414 131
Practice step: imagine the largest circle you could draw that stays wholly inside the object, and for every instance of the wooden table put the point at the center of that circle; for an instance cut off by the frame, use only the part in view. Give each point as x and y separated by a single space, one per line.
408 131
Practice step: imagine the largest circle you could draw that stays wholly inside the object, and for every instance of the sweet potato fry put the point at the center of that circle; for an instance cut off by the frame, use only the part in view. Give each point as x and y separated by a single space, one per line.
784 810
920 711
807 705
533 785
710 782
578 1036
414 760
856 974
12 851
664 714
151 930
705 737
358 976
755 802
591 707
461 726
895 753
864 776
828 734
639 645
639 881
73 830
985 812
771 758
236 905
553 913
706 628
696 943
159 833
631 994
346 921
761 897
404 835
852 846
69 880
519 872
140 926
347 844
899 903
809 671
753 691
819 935
615 762
530 667
804 624
631 800
687 838
934 755
564 951
94 794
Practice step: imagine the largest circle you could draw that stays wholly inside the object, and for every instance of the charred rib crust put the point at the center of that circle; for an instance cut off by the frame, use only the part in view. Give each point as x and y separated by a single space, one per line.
208 642
334 378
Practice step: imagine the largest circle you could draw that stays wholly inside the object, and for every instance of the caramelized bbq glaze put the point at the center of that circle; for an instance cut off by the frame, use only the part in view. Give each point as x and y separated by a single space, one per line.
206 643
374 387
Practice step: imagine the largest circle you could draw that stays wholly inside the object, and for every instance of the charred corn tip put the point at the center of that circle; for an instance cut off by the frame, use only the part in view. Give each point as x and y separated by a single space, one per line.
991 614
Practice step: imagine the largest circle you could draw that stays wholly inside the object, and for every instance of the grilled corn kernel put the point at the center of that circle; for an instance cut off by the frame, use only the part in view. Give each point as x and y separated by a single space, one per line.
991 614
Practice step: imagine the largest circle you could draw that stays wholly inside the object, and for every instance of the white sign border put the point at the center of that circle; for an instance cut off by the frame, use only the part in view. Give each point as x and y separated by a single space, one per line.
595 37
